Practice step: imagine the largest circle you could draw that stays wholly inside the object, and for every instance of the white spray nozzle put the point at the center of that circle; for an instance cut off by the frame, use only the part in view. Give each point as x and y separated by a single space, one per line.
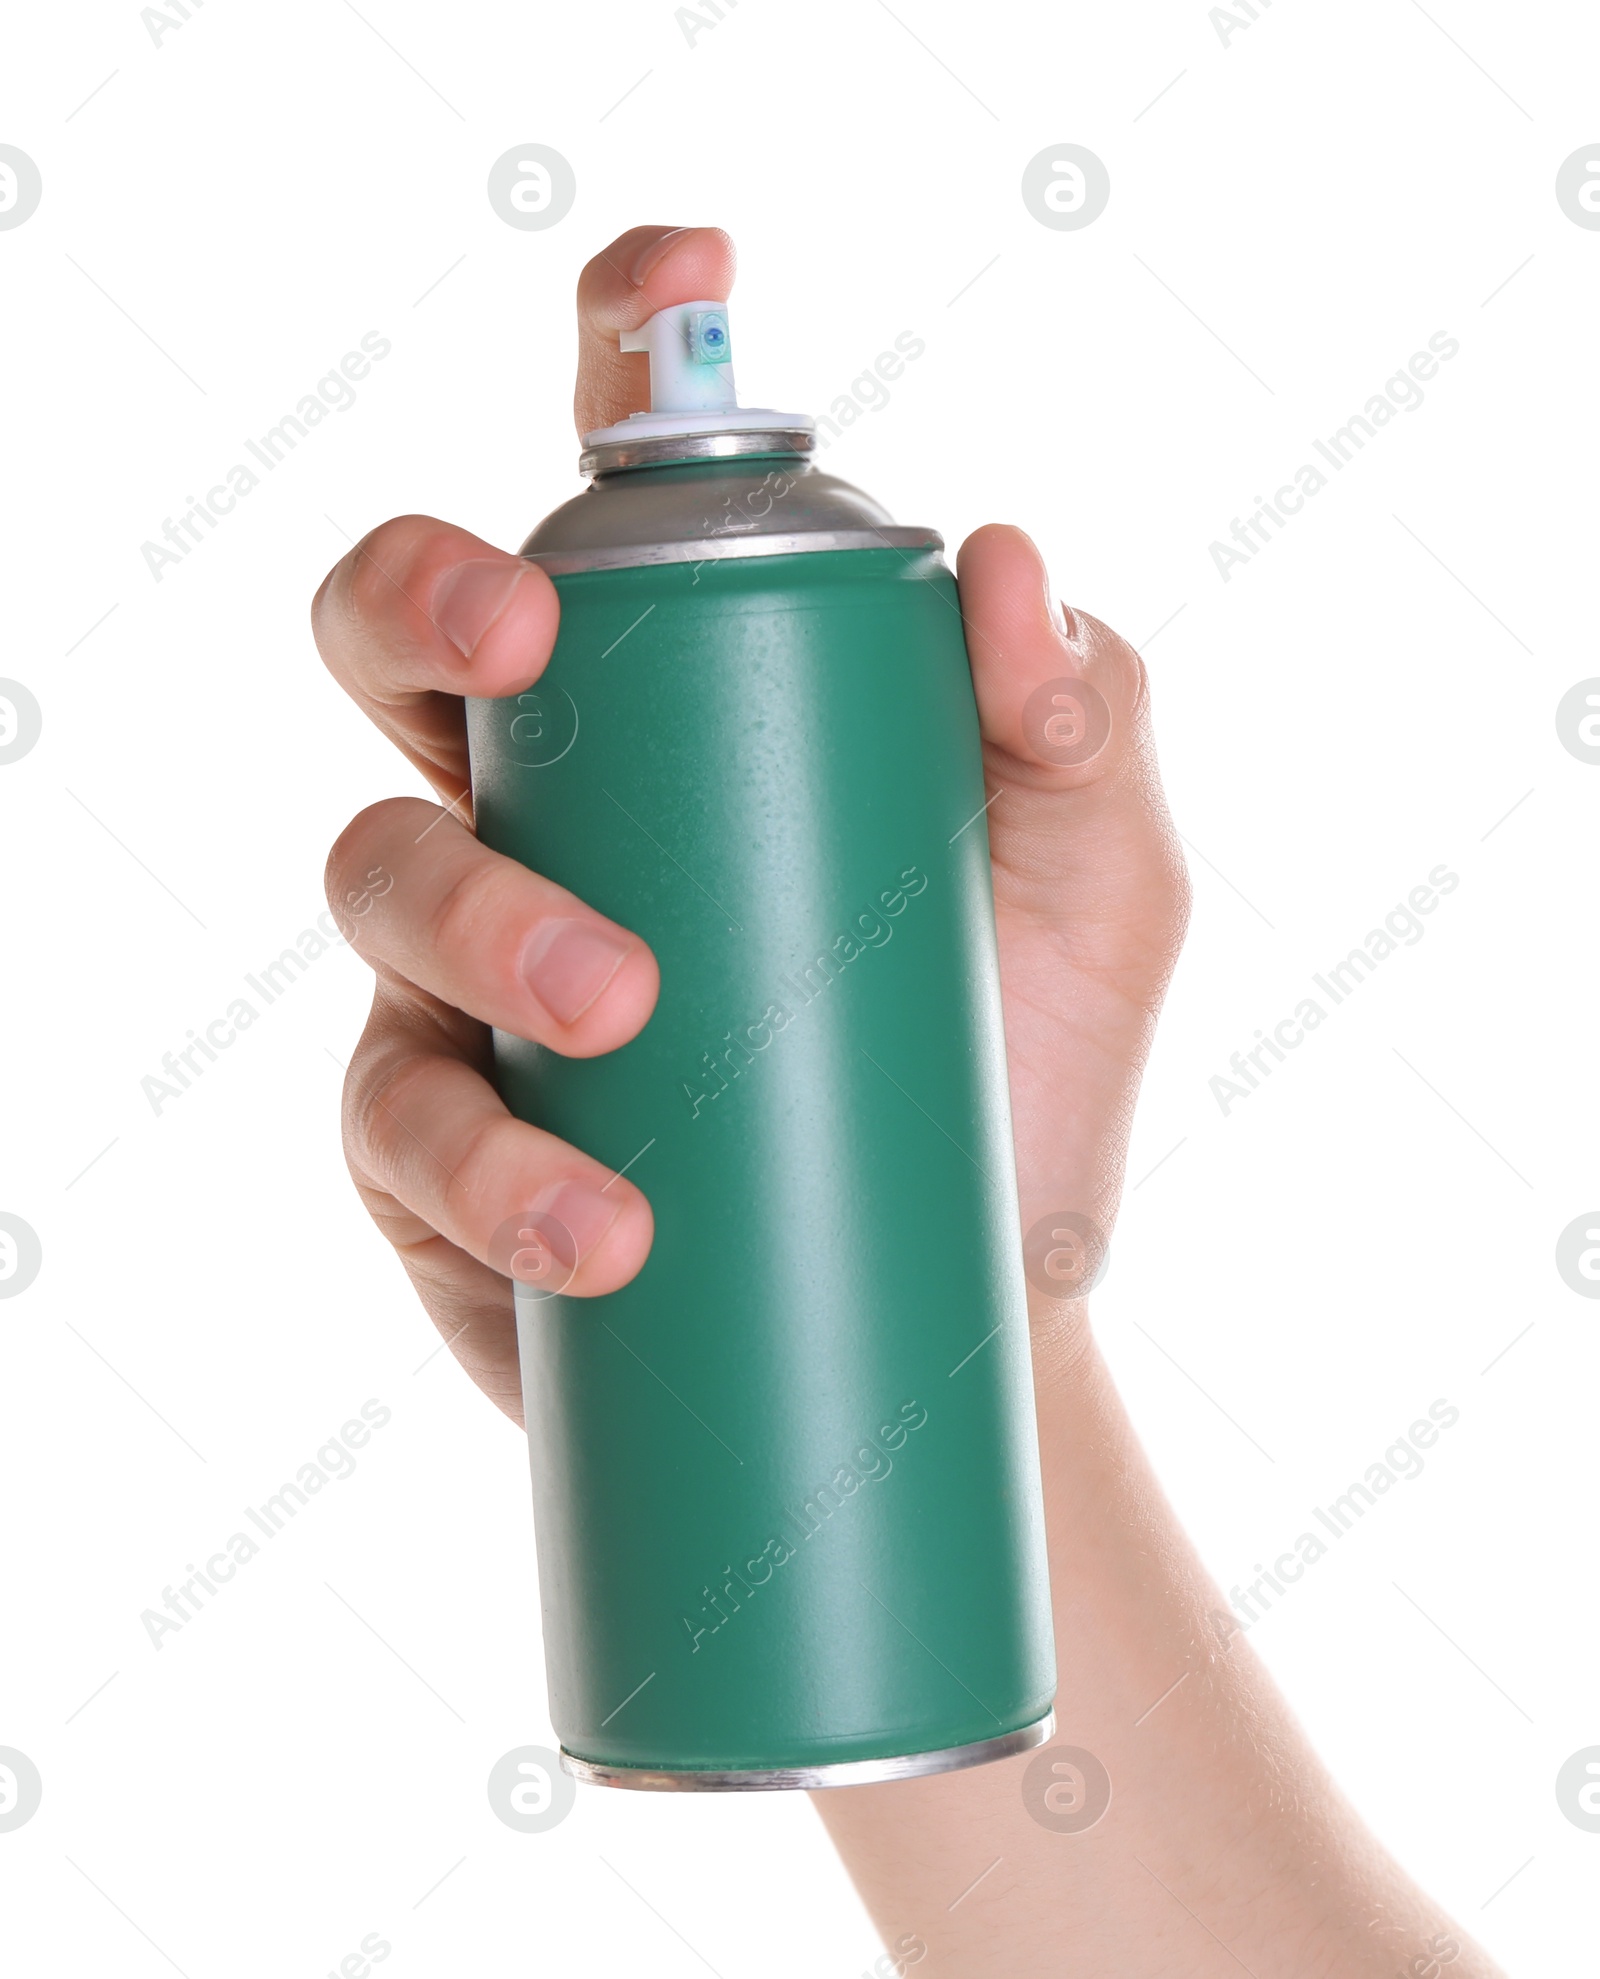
692 398
691 368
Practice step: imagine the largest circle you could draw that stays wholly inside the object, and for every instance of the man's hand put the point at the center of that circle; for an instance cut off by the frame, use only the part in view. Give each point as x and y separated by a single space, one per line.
1225 1846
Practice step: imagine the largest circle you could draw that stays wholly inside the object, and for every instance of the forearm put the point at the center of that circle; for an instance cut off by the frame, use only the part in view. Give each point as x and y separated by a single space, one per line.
1225 1846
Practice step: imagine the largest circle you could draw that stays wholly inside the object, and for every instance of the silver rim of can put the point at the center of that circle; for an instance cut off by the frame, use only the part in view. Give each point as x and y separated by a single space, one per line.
714 549
852 1773
665 448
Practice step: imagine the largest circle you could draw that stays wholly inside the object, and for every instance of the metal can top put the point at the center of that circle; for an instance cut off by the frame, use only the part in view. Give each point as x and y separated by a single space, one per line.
699 477
758 503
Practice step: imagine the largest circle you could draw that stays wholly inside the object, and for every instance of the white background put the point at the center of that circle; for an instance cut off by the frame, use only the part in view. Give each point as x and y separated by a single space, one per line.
1368 698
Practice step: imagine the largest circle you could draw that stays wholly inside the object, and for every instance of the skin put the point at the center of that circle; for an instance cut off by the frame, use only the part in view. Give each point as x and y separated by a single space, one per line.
1226 1846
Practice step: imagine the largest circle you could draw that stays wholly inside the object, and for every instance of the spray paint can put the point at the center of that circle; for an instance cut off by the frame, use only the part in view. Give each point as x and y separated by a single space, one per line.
786 1483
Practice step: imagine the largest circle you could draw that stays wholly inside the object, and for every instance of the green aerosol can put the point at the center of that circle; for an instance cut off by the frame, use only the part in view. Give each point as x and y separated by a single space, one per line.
786 1482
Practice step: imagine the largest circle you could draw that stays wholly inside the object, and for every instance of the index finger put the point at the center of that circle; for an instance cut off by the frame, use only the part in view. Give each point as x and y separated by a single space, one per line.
643 270
420 614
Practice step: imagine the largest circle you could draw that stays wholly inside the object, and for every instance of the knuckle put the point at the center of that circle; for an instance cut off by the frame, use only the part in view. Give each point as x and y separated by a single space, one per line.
354 875
340 593
1180 896
1168 895
1123 668
346 852
482 1166
469 917
402 1228
379 564
377 1097
1139 678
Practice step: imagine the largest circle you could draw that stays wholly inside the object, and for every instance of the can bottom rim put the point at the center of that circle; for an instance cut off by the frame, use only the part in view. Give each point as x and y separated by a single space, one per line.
848 1773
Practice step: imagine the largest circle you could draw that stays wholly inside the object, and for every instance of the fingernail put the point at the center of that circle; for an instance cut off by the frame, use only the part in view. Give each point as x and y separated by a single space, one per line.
1060 615
585 1213
569 964
468 600
647 257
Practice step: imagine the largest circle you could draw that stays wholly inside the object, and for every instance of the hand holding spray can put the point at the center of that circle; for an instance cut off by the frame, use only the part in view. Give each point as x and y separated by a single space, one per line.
786 1483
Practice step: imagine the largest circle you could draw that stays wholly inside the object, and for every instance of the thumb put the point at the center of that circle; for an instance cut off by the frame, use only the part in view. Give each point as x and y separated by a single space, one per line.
1079 832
